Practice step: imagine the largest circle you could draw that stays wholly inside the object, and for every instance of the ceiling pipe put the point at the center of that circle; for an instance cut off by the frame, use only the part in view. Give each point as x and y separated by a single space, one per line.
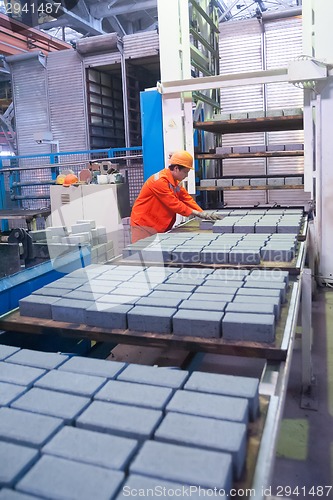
281 14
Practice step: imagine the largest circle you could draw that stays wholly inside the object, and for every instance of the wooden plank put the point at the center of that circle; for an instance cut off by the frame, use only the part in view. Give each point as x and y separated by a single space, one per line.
15 322
264 124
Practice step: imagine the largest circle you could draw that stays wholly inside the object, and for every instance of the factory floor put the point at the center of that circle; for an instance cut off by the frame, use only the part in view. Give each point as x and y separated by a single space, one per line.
305 448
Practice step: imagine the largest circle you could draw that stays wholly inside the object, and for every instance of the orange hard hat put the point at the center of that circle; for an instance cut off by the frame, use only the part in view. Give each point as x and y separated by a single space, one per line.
182 158
70 179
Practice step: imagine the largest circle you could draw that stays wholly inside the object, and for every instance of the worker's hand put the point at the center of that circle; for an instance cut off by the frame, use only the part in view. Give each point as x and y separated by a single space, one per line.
205 215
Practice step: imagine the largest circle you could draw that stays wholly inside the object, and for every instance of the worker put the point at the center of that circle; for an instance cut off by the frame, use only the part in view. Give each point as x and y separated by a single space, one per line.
162 197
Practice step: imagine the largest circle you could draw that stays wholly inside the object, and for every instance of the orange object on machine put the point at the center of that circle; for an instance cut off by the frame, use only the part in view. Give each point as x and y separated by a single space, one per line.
70 179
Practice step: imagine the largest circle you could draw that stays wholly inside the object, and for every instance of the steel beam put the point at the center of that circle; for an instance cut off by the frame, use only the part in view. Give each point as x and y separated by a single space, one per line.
106 9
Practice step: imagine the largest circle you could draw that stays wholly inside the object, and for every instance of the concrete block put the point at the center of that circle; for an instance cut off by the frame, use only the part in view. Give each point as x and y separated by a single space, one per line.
47 360
257 182
70 310
95 448
72 383
142 483
275 181
6 351
120 420
175 288
50 292
294 147
90 366
253 300
248 327
274 112
69 480
212 297
141 395
266 228
220 283
172 295
249 257
241 182
227 385
197 305
67 283
276 275
118 299
100 288
221 116
83 227
39 306
25 428
268 285
256 114
292 112
275 147
137 291
186 255
210 256
210 406
223 182
208 469
228 274
51 403
92 223
57 231
206 433
151 375
258 148
241 149
243 227
239 115
15 461
223 150
208 182
151 319
10 392
229 288
20 375
193 278
6 494
108 315
206 224
153 302
259 292
241 307
194 324
85 296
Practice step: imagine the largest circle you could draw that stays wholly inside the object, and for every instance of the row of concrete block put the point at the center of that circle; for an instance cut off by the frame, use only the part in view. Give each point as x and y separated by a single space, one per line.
262 148
244 115
253 181
88 428
173 305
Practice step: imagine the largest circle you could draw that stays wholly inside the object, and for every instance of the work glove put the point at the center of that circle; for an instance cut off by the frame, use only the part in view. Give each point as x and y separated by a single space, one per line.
206 215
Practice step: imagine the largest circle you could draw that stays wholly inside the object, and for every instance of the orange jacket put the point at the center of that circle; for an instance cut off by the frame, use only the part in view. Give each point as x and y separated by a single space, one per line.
160 199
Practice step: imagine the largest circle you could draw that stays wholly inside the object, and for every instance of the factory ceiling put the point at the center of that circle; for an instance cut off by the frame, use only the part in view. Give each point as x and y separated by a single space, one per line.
72 19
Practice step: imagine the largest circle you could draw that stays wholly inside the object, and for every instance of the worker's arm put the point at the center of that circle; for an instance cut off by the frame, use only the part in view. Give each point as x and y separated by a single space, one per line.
188 200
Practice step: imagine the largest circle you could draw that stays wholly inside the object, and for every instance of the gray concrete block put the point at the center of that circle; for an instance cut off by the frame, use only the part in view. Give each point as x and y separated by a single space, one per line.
208 182
259 292
54 404
294 147
20 375
186 255
228 274
90 366
85 296
191 279
38 359
95 448
53 477
212 297
70 310
274 112
256 114
15 460
175 288
293 181
153 302
10 392
202 306
7 350
38 306
171 295
151 375
141 395
137 291
72 383
120 420
210 256
266 227
101 288
25 428
223 150
229 289
238 115
244 256
136 483
224 182
275 181
196 324
241 149
83 227
227 385
275 147
248 327
206 433
118 299
210 406
108 315
258 148
151 319
6 494
92 223
220 283
268 285
275 275
250 308
208 469
50 292
241 182
253 300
